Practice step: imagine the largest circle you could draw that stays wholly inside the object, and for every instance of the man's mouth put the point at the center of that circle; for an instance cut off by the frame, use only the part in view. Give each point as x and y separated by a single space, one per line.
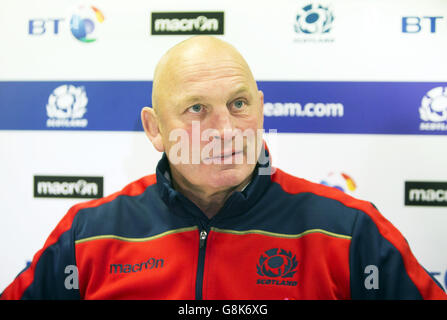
225 155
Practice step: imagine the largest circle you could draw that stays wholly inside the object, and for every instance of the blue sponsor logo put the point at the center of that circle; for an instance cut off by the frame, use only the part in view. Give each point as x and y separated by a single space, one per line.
416 24
83 24
37 27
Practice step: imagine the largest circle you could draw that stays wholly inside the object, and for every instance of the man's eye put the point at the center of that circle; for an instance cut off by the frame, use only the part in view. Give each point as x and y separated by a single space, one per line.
239 104
195 108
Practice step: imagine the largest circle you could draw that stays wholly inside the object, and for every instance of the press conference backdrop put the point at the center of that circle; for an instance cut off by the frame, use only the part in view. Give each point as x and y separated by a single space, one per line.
355 97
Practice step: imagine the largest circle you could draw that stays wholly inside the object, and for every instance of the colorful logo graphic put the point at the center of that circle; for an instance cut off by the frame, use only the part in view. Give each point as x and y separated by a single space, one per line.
277 263
340 181
314 19
84 23
433 109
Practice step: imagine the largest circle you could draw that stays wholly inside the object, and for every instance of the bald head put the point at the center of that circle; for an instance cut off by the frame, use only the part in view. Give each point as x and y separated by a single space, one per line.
199 56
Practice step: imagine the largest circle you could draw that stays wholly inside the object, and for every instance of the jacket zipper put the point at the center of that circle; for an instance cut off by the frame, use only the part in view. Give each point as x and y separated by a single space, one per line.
203 235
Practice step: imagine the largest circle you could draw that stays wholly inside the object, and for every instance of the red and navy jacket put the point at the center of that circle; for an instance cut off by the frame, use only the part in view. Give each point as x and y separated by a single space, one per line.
282 237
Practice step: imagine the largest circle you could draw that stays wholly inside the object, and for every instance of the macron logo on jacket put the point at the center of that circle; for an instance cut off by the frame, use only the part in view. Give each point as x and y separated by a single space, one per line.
150 264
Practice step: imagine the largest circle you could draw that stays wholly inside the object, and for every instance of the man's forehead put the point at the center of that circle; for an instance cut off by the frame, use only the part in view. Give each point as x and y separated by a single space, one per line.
209 67
193 97
198 61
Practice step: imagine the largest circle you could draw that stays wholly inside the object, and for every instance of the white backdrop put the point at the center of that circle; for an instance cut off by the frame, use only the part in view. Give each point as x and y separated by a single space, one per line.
367 44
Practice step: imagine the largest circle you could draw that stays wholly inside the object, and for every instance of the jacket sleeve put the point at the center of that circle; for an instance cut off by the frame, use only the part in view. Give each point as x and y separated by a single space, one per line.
382 265
52 273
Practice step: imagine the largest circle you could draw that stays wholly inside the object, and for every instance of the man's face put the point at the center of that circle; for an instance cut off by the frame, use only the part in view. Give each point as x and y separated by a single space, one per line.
215 106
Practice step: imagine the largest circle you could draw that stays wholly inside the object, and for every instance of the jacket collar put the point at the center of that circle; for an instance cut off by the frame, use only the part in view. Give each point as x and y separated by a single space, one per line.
237 204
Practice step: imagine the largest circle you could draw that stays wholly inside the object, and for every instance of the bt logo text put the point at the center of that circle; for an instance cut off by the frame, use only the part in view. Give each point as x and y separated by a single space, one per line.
418 24
42 26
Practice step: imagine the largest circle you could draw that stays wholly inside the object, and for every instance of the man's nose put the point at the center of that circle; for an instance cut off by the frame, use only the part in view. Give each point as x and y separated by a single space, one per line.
223 123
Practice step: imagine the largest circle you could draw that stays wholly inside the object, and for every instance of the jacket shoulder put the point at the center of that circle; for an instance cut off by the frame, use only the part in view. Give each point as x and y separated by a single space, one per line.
94 215
132 189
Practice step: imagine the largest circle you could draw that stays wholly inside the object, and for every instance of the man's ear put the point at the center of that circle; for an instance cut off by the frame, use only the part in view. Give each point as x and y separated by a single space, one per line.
151 128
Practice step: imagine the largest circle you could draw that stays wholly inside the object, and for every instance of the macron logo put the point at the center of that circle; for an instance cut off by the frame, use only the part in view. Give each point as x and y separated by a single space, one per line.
151 263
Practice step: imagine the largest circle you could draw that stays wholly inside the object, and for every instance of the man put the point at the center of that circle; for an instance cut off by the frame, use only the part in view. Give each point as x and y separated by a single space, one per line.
216 221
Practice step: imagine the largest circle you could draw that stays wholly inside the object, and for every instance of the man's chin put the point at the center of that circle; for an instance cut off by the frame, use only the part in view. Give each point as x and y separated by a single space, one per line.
228 176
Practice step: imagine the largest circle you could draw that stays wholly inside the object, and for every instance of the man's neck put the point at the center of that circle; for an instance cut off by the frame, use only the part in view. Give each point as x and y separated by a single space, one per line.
209 201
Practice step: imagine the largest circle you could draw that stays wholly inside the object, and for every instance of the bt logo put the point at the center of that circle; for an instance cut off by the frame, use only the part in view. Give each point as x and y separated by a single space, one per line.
84 24
417 24
41 26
